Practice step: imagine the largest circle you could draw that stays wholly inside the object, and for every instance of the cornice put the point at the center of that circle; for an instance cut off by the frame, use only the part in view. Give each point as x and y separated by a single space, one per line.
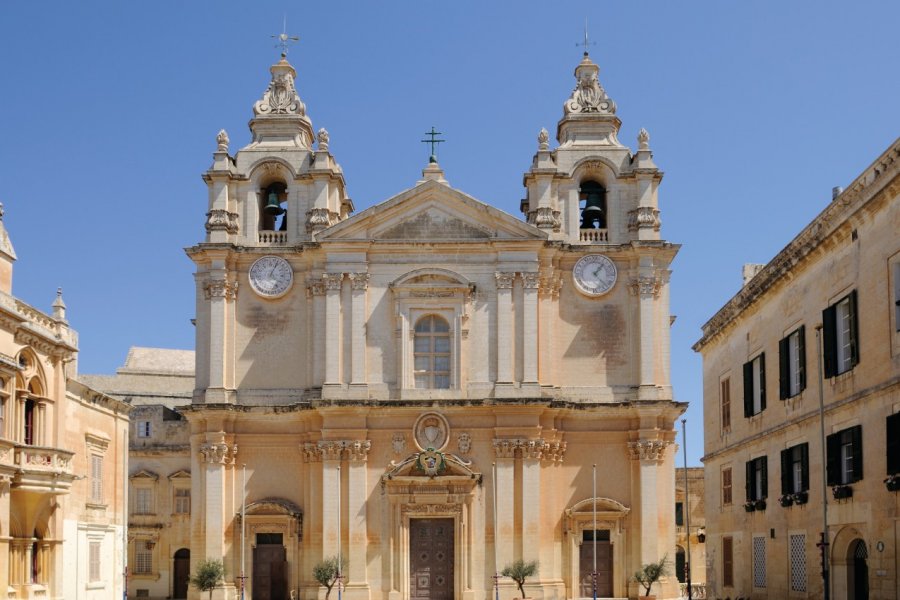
880 175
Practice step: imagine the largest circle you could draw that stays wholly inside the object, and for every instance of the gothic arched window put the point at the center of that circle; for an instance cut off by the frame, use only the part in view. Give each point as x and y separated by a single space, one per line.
592 201
431 353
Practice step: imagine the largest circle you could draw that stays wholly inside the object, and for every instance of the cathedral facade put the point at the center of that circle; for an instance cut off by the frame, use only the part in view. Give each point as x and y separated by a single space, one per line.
424 387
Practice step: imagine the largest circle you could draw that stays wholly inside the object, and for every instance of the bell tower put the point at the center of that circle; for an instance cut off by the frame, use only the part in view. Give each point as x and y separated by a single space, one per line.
592 189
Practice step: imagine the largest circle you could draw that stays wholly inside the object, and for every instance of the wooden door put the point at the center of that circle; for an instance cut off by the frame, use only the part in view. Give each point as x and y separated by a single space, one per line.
431 556
181 572
269 570
604 568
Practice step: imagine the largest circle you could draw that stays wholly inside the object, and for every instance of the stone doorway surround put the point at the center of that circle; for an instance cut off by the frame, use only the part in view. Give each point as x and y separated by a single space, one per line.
580 518
271 515
454 492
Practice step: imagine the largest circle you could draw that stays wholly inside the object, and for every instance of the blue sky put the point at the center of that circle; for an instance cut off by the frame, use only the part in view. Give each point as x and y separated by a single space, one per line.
109 113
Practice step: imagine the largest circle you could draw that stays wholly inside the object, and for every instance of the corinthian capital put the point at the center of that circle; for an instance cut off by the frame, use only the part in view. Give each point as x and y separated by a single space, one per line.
505 280
646 286
220 288
332 280
647 449
358 450
359 281
220 453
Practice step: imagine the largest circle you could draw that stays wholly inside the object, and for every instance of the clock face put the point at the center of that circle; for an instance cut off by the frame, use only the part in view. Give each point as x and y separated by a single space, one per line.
594 274
271 277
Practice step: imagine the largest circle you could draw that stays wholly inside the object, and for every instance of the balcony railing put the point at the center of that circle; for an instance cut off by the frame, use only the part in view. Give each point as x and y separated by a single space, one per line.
273 237
42 459
593 235
698 591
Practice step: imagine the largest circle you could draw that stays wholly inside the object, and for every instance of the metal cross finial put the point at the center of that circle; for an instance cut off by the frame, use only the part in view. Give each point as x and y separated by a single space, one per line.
586 41
433 134
284 39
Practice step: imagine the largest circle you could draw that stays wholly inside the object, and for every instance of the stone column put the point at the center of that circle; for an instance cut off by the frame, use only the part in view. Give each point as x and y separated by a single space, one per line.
647 454
40 424
530 284
333 327
218 292
360 282
646 288
532 453
330 452
505 343
504 528
5 545
316 291
357 585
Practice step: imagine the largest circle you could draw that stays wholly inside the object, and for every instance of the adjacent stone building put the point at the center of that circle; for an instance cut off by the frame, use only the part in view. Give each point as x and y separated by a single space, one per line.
423 387
690 522
62 459
819 323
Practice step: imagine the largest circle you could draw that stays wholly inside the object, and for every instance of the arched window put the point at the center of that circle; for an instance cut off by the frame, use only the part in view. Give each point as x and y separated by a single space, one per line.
431 353
592 202
273 208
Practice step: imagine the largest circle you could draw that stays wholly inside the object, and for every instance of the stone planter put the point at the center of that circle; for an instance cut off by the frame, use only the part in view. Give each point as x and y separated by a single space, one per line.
842 492
892 483
786 500
801 497
760 504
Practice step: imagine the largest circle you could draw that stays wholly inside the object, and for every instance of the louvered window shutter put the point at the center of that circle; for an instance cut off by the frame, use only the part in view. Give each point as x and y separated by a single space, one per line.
784 369
786 471
833 467
829 340
893 444
802 356
762 382
854 331
748 389
856 440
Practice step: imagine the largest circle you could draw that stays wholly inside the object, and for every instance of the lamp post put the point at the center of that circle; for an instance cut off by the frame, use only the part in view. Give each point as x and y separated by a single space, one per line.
243 522
340 575
687 512
823 542
594 533
496 536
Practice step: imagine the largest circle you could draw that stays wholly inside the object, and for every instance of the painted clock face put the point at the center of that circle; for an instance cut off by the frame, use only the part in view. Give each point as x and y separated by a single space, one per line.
594 274
271 277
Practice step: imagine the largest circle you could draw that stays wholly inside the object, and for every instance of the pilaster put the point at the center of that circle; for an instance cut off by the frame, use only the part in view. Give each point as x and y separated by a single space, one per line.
357 585
504 327
359 283
647 455
504 528
530 285
646 288
220 293
332 340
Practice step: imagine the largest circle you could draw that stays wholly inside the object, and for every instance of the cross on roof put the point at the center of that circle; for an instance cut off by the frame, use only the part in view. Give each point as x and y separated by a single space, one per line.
284 39
433 134
586 41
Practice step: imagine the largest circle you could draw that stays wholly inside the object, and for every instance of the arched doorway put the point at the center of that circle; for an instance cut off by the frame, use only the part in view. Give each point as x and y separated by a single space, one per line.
679 563
181 573
858 571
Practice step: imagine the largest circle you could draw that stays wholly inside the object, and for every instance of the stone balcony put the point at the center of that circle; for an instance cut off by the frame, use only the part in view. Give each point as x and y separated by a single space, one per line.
273 238
39 469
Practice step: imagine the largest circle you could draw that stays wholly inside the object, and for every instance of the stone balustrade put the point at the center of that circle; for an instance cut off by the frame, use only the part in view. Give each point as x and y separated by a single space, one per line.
273 237
42 459
593 235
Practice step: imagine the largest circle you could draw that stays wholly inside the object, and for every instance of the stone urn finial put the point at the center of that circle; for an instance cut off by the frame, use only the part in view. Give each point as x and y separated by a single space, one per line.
643 139
543 139
322 137
222 141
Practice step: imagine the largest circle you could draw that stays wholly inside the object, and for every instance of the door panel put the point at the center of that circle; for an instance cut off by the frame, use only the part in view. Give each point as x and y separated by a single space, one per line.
431 556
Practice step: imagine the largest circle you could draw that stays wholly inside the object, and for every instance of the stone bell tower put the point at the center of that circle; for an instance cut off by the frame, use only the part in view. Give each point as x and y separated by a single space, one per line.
270 197
591 189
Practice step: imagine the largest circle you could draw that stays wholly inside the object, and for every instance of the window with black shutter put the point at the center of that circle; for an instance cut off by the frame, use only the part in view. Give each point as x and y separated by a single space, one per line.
845 456
795 469
755 385
893 444
792 364
757 487
840 337
679 514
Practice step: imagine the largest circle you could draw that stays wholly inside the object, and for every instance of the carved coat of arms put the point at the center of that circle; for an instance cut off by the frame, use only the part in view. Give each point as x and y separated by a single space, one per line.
431 462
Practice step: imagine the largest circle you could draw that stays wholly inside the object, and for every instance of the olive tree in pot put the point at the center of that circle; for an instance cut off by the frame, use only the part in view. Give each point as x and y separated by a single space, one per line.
519 571
650 574
326 572
208 575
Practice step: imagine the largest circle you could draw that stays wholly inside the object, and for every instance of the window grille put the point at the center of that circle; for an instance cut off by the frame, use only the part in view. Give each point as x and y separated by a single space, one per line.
143 504
726 486
798 562
861 551
759 562
96 478
94 561
143 558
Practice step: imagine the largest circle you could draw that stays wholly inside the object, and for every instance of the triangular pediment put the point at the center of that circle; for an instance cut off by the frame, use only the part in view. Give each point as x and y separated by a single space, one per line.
145 475
435 212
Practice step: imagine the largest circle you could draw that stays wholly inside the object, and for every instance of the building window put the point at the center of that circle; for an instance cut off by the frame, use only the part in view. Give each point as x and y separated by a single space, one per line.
592 201
755 386
893 444
679 514
728 561
795 469
273 208
845 456
759 562
725 397
798 562
431 353
840 337
792 363
143 501
182 501
28 436
143 429
726 486
897 296
96 479
757 476
94 561
143 557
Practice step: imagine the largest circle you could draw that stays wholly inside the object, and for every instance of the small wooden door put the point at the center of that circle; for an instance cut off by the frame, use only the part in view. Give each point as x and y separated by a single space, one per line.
604 565
431 559
269 568
181 572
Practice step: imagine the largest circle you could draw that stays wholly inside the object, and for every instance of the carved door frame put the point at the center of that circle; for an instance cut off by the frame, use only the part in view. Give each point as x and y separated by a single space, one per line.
611 516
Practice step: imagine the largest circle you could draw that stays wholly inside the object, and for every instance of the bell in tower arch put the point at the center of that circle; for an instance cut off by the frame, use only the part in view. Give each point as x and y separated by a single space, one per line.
593 213
274 198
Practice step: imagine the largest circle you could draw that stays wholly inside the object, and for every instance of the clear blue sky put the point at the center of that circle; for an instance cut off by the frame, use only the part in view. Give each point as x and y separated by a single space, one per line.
109 111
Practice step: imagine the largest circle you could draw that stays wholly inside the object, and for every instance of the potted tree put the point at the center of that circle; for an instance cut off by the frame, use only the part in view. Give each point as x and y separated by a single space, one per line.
650 574
327 572
209 573
519 571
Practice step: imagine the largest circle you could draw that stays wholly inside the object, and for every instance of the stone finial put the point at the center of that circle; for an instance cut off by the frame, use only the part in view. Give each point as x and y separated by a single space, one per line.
643 139
280 98
322 137
1 211
222 141
543 139
588 95
59 307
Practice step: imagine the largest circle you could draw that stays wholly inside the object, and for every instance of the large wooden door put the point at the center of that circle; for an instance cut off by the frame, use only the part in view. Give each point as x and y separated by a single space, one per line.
269 572
604 565
181 572
431 559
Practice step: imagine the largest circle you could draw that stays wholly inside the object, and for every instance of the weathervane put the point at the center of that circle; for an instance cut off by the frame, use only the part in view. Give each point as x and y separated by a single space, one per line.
433 135
586 41
284 39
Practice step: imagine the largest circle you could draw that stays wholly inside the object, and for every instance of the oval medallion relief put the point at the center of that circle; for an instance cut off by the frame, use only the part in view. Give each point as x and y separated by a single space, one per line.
431 430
